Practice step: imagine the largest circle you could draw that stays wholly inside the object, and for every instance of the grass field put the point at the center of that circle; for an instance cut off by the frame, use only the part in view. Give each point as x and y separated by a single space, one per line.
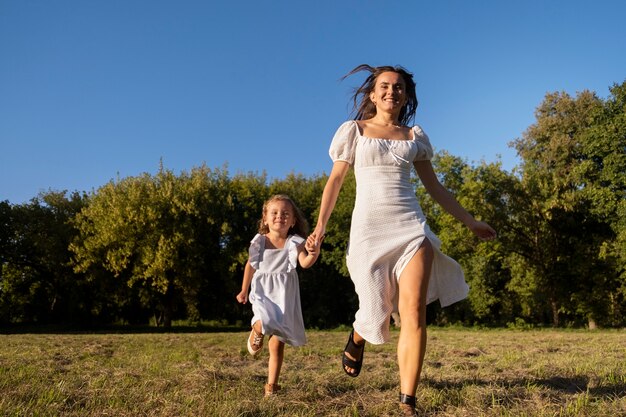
467 372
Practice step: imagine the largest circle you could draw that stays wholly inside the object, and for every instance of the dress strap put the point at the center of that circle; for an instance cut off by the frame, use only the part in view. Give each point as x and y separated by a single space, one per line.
292 246
255 252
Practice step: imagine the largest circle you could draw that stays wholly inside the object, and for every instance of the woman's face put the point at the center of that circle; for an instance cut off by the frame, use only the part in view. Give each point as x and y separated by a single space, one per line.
389 92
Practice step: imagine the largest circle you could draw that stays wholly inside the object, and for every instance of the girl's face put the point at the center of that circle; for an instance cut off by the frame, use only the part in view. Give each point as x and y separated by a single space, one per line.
279 217
389 93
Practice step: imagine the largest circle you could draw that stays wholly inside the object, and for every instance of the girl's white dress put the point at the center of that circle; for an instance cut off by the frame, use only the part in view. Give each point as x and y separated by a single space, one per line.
275 290
388 227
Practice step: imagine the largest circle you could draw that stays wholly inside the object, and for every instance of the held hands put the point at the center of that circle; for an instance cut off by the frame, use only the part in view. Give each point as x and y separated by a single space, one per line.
313 245
482 230
318 235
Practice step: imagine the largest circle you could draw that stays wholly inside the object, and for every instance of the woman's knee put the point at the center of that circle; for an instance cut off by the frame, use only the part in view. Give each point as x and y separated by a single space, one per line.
412 308
413 320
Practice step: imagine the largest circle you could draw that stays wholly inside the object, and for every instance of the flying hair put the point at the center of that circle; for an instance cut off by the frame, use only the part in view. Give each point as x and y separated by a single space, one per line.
363 108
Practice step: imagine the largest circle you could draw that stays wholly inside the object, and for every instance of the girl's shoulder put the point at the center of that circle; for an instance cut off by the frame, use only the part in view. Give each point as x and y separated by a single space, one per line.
258 238
296 238
257 245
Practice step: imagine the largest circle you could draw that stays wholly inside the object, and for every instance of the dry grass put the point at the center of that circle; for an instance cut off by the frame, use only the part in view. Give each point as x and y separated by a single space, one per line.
467 373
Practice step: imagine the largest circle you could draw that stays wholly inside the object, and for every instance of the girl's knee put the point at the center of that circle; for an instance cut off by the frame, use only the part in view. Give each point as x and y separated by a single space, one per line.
275 344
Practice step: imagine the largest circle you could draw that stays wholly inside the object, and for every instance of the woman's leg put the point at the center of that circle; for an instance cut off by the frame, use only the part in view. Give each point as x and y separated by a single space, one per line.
358 341
413 287
277 353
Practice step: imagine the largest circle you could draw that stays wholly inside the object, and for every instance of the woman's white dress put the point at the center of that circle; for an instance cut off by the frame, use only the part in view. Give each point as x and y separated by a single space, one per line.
275 290
388 227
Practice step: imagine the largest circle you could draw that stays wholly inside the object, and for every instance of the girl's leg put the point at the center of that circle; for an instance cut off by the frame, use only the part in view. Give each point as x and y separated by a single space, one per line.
255 339
257 326
277 353
413 286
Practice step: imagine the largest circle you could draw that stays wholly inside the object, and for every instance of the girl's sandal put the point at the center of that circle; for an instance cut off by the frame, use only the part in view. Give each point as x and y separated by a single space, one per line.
257 342
356 351
407 405
271 389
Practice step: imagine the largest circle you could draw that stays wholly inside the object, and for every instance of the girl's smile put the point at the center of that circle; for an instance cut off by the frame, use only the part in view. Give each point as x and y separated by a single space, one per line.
279 217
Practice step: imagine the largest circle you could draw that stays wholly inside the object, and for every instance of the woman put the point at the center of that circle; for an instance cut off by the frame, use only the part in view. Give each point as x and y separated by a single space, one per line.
393 258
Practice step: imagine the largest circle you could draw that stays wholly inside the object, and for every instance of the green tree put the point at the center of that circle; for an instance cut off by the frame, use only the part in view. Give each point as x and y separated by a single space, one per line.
562 156
241 211
160 235
604 193
6 234
37 283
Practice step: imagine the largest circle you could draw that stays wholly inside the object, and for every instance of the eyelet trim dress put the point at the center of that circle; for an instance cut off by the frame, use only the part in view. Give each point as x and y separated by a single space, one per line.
388 227
275 290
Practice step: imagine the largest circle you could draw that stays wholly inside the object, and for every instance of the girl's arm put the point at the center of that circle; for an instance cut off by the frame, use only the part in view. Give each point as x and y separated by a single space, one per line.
329 198
308 252
442 196
248 272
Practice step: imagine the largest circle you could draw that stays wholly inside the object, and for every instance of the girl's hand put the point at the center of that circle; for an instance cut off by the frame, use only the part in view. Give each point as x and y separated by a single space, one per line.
482 230
311 246
242 297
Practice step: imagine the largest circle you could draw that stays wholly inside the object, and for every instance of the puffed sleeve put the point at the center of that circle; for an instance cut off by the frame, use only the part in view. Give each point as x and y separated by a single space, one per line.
344 142
255 252
294 242
424 148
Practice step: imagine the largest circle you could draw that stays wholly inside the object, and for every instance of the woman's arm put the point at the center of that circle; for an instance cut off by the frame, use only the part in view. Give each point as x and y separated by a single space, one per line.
442 196
329 198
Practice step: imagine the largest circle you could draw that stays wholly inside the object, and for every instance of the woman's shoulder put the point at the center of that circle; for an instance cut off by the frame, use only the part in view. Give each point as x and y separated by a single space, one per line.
417 128
343 145
348 125
418 132
347 132
425 150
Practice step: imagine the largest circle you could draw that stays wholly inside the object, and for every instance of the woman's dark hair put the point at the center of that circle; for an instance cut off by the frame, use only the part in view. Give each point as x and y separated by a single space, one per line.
363 108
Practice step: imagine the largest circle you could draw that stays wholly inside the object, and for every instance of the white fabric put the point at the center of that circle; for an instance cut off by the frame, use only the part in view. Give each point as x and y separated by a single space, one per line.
275 290
388 227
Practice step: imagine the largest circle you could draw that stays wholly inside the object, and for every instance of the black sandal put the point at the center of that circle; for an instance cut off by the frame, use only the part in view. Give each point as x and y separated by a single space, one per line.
354 350
407 405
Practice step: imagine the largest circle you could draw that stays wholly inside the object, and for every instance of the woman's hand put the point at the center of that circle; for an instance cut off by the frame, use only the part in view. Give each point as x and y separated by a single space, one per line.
482 230
318 235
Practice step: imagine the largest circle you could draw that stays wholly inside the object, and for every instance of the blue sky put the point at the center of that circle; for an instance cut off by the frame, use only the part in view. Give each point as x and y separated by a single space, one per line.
95 90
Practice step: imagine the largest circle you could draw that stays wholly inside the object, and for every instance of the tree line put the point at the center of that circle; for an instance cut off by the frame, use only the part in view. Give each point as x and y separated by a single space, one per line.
164 247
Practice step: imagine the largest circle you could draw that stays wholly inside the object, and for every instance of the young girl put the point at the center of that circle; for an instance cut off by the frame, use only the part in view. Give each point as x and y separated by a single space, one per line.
274 255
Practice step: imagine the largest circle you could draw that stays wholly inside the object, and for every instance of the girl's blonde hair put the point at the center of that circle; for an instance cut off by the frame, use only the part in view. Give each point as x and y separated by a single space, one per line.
301 227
